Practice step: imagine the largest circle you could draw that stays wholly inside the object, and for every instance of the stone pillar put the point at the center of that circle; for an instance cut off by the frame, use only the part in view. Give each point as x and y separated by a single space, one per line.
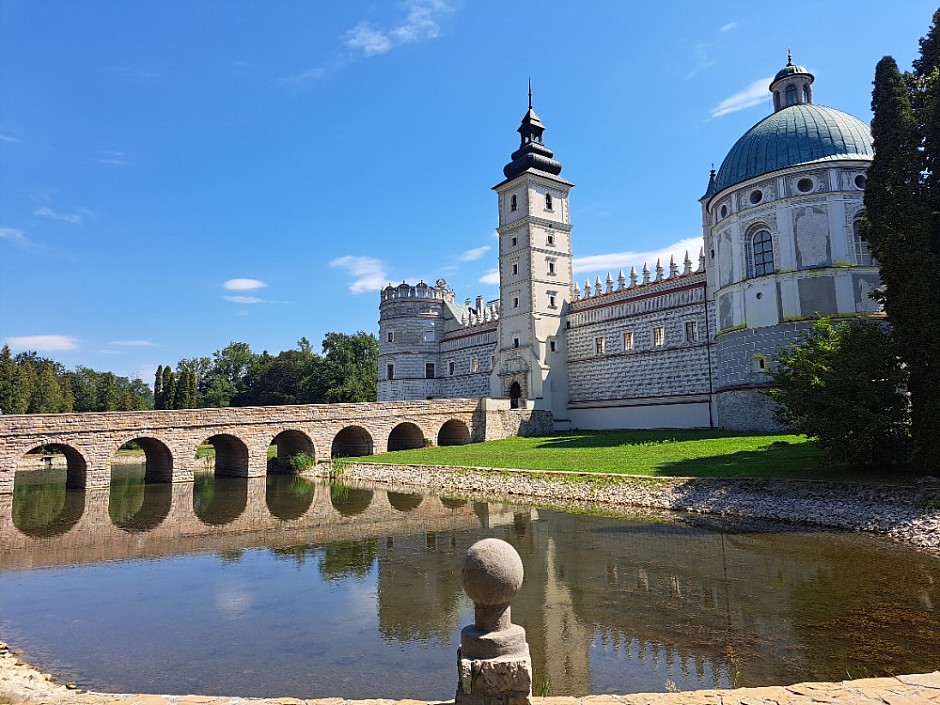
493 662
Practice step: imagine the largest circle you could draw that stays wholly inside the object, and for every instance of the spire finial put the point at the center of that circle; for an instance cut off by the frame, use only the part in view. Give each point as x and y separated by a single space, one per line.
530 94
789 57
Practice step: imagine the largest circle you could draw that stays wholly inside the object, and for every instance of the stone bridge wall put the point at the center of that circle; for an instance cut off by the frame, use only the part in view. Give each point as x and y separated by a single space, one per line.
170 438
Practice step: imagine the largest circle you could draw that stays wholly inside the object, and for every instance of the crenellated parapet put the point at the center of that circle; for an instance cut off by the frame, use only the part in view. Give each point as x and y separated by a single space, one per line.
646 282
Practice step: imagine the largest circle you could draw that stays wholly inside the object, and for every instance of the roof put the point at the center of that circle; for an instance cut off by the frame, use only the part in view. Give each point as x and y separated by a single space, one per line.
798 134
789 70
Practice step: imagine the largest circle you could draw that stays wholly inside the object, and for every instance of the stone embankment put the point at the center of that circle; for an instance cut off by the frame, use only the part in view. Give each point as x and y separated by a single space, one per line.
906 513
20 683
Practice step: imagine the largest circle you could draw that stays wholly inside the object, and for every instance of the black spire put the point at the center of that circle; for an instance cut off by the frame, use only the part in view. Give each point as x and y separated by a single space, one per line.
532 154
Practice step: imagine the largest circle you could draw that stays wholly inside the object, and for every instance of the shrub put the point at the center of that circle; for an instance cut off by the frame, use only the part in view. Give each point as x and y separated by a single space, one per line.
300 462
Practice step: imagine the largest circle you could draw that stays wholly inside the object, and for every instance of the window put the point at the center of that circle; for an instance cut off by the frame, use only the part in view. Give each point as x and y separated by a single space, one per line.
759 363
551 267
390 336
860 182
429 370
390 371
724 211
690 331
429 336
599 345
756 196
551 345
791 95
450 368
515 302
550 239
760 254
805 185
515 341
551 301
548 201
513 241
863 256
515 267
512 202
659 336
473 364
628 340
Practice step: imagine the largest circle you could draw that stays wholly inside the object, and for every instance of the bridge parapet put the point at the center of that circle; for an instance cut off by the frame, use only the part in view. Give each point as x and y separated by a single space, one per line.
242 435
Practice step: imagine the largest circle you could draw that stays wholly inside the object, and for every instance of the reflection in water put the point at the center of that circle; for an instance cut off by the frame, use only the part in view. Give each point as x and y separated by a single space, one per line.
608 604
135 505
288 496
349 501
219 500
453 503
404 502
43 505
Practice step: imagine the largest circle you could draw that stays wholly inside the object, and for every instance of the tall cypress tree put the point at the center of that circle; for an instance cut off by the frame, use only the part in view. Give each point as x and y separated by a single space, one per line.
158 388
903 209
169 387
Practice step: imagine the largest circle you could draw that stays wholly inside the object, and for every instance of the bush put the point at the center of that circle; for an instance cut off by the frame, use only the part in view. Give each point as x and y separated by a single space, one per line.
845 386
300 462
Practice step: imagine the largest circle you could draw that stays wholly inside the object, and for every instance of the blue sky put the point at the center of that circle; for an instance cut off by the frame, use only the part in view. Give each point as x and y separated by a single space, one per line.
179 174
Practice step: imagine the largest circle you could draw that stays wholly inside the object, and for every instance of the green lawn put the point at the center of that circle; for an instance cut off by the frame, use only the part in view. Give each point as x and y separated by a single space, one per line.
690 453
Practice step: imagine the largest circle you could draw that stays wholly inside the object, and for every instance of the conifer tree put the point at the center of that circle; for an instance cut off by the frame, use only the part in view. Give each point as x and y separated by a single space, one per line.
46 397
179 394
14 396
158 388
902 201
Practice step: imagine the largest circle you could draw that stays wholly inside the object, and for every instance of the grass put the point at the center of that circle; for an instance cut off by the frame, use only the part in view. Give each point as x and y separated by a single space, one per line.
663 453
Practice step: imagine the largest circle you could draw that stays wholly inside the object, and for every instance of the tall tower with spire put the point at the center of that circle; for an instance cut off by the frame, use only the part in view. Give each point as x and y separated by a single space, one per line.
535 276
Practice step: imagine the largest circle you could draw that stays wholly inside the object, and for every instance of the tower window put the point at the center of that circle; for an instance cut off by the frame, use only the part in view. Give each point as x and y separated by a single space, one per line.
628 340
515 341
860 182
551 267
599 345
429 336
690 331
792 98
451 366
863 256
390 336
429 370
515 267
756 196
760 255
659 336
515 302
473 364
548 201
551 345
550 239
551 301
805 185
512 202
390 371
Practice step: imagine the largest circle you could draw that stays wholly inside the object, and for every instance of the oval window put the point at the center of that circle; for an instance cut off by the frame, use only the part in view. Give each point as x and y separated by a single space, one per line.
724 211
860 181
756 196
804 185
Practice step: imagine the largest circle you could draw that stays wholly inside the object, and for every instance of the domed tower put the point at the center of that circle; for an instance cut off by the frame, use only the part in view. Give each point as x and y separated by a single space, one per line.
781 227
535 276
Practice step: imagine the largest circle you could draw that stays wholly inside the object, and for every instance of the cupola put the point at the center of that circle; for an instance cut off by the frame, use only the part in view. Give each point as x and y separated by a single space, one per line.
532 154
792 86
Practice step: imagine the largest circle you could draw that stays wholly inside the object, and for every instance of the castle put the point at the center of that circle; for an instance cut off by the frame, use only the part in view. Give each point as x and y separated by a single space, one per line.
687 344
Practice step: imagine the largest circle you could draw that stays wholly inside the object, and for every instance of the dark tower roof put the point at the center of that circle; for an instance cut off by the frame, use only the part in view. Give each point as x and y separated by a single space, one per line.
532 154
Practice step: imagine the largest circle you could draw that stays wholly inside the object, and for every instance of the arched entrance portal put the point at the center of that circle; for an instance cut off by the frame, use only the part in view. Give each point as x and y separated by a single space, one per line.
453 433
350 442
405 436
515 394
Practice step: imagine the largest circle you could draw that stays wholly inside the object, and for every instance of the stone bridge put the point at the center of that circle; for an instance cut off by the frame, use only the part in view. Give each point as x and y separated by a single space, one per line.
241 436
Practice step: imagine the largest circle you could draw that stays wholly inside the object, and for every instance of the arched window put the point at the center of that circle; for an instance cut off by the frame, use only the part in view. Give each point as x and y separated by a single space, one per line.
548 201
863 256
760 254
791 95
512 202
806 94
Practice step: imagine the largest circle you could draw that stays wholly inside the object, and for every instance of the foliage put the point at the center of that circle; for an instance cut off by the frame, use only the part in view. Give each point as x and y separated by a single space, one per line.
902 201
300 462
668 453
351 367
844 386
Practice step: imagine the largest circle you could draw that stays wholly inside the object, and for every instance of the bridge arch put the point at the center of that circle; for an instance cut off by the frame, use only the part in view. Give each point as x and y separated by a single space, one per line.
158 458
405 436
219 500
76 466
351 441
231 455
453 433
349 501
405 501
289 443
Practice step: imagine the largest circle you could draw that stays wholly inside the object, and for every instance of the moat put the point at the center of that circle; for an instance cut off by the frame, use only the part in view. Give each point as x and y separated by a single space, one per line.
280 585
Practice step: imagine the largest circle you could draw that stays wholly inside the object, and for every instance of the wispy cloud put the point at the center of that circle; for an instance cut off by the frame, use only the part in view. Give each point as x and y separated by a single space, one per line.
43 343
491 277
75 218
421 22
133 343
755 94
243 284
474 254
728 27
370 273
8 138
245 299
615 261
112 158
14 235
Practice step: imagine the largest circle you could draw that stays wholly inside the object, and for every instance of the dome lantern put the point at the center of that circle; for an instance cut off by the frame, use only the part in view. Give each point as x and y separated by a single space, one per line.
792 86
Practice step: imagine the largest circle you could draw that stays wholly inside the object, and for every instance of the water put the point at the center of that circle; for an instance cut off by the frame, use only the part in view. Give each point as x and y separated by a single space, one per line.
278 586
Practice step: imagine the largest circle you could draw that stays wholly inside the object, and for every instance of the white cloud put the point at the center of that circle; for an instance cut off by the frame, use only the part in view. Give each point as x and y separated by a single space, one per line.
244 299
755 94
474 254
613 262
243 284
134 343
44 212
491 277
370 273
420 23
8 138
728 27
13 235
43 343
113 158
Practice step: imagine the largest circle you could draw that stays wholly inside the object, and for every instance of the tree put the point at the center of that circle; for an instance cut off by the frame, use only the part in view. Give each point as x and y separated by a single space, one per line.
226 377
844 385
351 367
14 392
168 388
46 397
108 394
158 388
902 201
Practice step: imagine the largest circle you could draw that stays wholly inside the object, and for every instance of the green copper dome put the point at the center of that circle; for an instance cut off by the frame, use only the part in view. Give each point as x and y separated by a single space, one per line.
798 134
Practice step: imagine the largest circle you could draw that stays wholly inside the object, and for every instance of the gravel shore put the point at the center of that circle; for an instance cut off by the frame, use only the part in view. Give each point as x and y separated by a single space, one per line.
906 513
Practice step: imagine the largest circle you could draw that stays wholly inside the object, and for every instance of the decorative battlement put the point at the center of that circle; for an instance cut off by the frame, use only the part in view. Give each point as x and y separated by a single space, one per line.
635 281
421 290
479 314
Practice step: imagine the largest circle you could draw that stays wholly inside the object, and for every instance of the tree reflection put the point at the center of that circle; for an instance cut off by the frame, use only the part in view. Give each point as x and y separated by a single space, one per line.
42 504
348 559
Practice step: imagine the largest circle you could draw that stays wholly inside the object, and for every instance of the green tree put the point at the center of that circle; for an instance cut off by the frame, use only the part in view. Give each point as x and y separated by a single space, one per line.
227 375
902 201
14 390
108 394
46 397
844 385
168 390
351 367
158 388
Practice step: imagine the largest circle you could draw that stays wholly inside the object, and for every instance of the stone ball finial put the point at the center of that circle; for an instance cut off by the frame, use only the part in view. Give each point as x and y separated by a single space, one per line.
492 575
